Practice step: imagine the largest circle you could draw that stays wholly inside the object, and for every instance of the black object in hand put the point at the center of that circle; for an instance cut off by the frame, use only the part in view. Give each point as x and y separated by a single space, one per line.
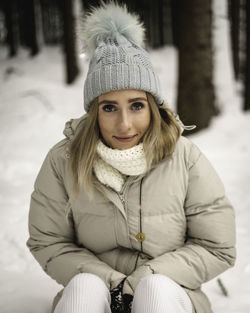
127 302
117 305
120 303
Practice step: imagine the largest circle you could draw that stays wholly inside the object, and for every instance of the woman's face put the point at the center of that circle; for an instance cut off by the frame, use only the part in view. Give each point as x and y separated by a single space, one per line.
123 117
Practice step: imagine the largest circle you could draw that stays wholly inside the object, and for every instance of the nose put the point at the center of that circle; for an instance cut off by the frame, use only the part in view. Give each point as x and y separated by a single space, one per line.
124 122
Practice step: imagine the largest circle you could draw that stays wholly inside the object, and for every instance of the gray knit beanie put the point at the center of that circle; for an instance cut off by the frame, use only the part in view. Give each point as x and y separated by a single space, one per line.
113 40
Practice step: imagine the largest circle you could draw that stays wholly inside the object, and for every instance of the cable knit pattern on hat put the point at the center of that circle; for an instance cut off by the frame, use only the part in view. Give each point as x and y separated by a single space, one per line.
112 165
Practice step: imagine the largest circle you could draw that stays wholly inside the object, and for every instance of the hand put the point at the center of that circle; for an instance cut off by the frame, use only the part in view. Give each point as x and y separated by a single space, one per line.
117 305
133 279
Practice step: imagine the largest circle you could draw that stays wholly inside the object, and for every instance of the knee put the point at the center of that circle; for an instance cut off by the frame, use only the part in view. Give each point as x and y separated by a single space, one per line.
87 279
156 281
150 279
165 290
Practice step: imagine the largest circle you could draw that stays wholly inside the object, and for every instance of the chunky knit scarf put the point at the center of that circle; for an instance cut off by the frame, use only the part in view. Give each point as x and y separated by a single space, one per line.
112 165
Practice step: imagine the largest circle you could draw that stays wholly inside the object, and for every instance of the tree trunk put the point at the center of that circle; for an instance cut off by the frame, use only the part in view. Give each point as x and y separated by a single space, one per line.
247 67
234 16
151 16
196 99
175 21
72 69
35 26
52 22
154 24
167 36
11 20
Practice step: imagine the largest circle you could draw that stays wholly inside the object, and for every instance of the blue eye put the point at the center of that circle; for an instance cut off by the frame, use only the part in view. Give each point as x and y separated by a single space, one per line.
108 108
137 106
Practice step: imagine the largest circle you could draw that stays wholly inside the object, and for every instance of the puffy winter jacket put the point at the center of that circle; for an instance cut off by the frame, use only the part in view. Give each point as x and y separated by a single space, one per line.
188 223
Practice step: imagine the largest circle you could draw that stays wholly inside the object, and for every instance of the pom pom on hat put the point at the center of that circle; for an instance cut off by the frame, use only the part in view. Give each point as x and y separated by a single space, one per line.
105 21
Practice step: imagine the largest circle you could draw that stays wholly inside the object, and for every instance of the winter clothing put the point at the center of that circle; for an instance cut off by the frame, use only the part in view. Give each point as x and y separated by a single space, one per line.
187 223
85 293
113 38
127 302
113 165
160 294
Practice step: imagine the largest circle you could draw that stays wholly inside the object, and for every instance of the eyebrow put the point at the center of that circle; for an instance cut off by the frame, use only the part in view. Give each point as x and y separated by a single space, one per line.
115 102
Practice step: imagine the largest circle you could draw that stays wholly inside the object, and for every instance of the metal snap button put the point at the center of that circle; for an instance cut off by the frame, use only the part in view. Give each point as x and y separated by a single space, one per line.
140 237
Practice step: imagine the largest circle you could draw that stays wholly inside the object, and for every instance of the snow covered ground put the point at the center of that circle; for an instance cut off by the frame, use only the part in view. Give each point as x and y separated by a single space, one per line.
34 106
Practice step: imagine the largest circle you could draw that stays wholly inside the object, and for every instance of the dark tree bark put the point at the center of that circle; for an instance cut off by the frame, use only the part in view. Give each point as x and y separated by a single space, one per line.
175 21
52 21
167 36
234 16
34 26
11 20
158 22
196 99
247 67
69 26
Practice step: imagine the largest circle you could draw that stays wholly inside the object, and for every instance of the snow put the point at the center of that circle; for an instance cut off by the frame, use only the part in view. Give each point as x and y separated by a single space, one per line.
34 106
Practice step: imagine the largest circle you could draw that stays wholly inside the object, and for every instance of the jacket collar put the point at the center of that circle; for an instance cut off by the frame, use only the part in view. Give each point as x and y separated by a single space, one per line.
72 125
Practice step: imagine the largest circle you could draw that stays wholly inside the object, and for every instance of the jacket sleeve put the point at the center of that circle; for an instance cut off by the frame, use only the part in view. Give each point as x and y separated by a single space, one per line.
210 245
52 238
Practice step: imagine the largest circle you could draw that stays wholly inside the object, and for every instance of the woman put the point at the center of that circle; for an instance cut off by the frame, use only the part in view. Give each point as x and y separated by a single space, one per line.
126 213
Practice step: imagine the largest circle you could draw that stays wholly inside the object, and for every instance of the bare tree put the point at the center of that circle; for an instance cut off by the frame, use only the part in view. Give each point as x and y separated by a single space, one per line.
12 26
167 31
234 17
196 99
35 35
52 21
69 26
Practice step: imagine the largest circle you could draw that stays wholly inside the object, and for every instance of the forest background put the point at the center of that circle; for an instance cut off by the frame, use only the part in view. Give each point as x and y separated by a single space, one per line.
201 52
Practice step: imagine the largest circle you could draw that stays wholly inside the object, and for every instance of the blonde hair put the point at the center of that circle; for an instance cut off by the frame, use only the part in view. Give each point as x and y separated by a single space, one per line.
159 142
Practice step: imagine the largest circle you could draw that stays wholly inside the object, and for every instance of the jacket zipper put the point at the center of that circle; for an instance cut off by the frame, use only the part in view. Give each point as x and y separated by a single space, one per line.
122 198
121 194
140 206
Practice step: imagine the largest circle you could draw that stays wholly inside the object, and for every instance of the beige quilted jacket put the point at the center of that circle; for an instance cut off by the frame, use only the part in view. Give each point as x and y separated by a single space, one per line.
188 223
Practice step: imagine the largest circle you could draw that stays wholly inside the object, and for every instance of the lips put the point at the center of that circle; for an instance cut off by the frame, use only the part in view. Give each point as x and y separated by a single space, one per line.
125 138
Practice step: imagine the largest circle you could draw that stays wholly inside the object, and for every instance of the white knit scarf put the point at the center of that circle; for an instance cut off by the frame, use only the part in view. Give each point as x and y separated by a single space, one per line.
112 165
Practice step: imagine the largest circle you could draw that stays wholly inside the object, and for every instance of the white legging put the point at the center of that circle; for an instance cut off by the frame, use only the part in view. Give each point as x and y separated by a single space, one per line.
156 293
